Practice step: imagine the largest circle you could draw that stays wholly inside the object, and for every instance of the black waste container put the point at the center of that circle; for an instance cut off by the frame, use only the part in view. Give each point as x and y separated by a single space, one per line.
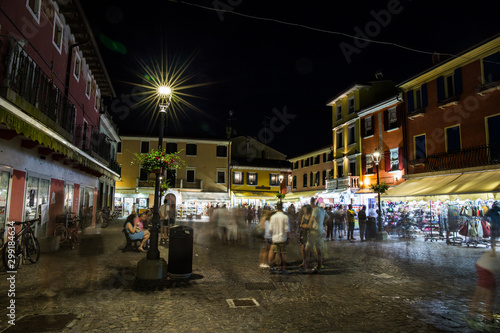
371 228
180 252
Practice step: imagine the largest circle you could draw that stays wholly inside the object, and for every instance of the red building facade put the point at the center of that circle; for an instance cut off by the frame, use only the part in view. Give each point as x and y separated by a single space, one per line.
55 156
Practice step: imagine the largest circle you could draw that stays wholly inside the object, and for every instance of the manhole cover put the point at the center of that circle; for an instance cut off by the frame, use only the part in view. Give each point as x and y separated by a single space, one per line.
242 303
259 286
41 323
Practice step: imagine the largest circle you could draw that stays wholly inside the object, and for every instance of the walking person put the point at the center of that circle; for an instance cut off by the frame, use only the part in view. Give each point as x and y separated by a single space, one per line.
494 215
487 268
340 221
329 223
164 211
351 214
362 223
279 228
315 237
305 216
371 227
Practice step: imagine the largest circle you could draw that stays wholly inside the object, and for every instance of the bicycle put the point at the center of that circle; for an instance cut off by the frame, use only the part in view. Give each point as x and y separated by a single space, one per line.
20 246
104 218
67 229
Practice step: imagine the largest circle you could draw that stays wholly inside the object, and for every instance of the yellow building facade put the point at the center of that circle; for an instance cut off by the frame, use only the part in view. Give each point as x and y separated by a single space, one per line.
201 182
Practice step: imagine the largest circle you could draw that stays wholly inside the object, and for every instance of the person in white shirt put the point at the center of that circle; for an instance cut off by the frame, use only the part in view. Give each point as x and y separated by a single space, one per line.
279 228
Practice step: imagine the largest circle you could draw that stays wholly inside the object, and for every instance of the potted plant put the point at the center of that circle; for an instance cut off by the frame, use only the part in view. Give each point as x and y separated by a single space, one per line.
379 188
164 186
158 159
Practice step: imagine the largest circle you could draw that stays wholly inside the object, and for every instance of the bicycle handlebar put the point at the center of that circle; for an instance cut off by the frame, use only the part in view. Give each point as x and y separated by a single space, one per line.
25 222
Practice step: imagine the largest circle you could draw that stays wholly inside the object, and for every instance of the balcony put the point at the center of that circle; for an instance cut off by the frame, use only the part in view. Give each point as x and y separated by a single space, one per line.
464 158
33 91
343 183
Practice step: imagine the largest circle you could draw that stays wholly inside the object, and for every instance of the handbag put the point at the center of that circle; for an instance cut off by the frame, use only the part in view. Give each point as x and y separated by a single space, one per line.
463 230
486 229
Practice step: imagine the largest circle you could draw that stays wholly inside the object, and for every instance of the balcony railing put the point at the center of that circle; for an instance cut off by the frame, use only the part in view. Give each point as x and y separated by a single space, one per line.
464 158
29 81
342 183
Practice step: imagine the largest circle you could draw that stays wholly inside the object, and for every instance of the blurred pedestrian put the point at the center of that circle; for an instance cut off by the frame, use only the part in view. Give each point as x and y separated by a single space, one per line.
305 216
487 268
163 210
329 223
263 229
494 215
362 223
315 236
351 214
340 221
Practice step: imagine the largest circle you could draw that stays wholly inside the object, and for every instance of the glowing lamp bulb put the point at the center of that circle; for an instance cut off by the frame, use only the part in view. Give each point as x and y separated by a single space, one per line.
164 90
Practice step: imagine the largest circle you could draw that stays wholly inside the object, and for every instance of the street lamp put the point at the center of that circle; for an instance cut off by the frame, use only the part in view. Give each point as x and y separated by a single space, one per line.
381 234
154 267
281 181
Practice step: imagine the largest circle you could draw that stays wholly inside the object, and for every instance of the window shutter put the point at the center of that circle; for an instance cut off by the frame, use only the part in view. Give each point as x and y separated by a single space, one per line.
440 88
363 165
409 99
457 76
423 90
363 130
387 158
398 116
400 156
386 120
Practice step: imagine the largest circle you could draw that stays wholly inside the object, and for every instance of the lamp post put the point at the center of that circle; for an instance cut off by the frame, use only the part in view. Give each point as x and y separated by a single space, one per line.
154 267
381 234
280 191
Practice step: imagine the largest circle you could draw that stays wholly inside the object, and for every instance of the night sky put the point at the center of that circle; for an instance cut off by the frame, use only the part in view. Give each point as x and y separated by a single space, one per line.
260 68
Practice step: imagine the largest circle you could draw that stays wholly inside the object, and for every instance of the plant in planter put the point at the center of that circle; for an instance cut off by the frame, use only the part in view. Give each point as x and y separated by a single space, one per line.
379 188
164 186
158 159
280 196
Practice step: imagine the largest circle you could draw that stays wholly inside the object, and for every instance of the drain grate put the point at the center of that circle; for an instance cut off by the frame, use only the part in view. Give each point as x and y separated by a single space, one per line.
259 286
242 303
41 323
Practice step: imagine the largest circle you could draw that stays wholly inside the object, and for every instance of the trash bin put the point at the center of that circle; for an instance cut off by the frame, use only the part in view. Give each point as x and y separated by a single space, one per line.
371 228
180 252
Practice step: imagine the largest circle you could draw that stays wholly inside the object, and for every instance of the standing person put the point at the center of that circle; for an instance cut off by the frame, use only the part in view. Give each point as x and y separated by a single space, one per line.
351 214
279 228
362 223
329 223
494 215
267 242
305 216
315 237
371 227
164 210
340 221
487 267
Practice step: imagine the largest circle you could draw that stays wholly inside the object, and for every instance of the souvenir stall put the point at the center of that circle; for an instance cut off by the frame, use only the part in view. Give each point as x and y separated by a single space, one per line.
458 222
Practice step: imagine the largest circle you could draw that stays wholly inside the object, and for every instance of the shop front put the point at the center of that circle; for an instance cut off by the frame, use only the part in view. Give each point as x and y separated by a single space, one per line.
443 203
195 204
253 198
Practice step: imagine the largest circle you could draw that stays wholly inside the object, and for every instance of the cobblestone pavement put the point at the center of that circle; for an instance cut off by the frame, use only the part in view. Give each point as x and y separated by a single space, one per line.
394 286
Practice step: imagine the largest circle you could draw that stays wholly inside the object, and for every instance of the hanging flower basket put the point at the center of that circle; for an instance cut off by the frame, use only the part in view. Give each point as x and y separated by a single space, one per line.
280 196
379 188
156 160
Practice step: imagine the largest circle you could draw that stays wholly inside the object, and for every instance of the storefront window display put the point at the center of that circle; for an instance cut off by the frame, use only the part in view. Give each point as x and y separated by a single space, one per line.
68 197
4 190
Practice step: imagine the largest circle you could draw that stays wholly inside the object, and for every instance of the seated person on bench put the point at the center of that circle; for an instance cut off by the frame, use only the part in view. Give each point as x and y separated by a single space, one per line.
135 231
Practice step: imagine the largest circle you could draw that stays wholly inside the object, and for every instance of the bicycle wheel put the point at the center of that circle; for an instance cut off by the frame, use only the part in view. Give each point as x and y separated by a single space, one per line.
10 257
61 231
105 221
32 248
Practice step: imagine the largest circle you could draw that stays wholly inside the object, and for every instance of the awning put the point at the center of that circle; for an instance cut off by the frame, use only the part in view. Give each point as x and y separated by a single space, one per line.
456 184
205 196
255 194
303 194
